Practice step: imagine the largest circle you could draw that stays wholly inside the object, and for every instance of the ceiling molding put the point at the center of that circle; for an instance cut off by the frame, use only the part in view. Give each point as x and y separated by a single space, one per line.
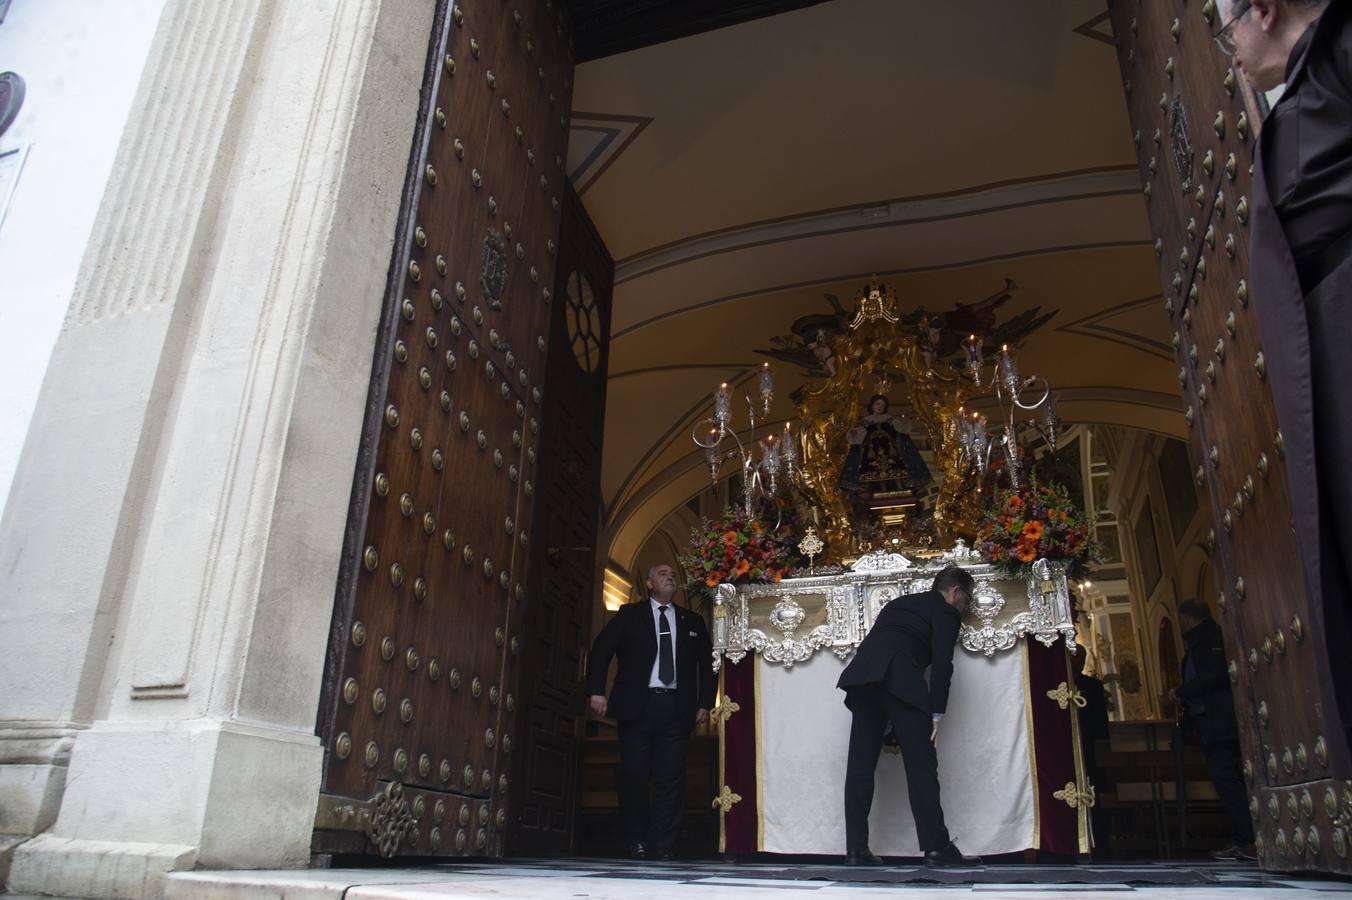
677 469
837 277
678 367
1096 326
886 213
1099 28
682 423
596 140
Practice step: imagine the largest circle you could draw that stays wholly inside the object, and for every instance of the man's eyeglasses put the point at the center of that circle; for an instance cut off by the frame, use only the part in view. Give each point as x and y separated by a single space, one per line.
1224 37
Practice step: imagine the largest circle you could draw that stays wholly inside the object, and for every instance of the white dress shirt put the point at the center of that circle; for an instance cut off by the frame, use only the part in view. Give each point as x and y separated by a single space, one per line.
653 679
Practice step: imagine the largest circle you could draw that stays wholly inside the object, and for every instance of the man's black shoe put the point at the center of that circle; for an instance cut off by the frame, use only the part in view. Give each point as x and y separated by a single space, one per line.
638 851
666 855
950 855
862 858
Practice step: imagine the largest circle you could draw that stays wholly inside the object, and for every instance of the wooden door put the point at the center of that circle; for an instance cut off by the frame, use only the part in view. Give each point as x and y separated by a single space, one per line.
421 683
1194 123
562 569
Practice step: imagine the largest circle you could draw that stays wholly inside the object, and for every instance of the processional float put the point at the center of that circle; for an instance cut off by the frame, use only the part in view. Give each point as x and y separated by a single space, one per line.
1010 768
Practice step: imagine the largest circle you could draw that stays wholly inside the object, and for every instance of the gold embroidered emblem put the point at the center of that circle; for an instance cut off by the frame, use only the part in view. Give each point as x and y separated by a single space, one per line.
1074 797
1064 695
724 710
726 799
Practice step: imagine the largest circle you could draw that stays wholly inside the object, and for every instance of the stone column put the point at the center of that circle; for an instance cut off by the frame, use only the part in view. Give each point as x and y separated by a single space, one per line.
169 553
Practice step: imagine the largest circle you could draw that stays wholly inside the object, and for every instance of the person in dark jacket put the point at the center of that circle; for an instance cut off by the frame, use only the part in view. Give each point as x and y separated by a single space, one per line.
1301 274
664 687
1209 711
1093 722
886 681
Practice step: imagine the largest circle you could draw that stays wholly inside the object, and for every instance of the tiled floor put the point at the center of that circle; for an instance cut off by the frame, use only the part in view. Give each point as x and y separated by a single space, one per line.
614 880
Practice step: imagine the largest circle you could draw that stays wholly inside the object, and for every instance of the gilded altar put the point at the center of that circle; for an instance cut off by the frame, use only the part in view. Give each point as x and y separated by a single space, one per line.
1009 765
930 365
876 347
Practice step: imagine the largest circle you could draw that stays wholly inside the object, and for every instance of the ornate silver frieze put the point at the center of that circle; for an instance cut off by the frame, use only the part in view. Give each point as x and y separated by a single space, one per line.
987 604
836 610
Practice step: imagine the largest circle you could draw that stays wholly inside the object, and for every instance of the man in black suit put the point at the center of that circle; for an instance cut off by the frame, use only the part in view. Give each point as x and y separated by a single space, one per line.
664 686
1209 710
886 681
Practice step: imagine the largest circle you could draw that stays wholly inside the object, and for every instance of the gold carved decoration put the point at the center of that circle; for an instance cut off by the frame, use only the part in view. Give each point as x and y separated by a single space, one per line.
1074 797
875 349
1064 695
810 546
876 302
723 711
726 799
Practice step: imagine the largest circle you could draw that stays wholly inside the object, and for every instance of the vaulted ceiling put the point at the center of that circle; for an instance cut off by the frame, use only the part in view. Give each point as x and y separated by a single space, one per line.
741 174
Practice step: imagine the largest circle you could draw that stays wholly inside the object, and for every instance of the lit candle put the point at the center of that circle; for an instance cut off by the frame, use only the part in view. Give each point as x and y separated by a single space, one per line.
1009 372
974 357
767 387
723 406
770 460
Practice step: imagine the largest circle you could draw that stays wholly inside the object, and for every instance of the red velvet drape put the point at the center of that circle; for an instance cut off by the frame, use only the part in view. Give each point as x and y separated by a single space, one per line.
741 824
1054 743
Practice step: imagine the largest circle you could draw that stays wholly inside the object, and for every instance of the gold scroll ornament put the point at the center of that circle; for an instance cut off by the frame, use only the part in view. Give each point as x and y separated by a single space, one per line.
875 348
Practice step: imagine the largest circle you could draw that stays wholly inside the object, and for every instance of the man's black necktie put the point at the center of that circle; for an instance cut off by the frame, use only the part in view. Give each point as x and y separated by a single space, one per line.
666 662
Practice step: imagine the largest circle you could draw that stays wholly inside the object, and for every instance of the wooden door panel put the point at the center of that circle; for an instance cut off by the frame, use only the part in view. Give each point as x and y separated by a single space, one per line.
1194 124
420 691
562 561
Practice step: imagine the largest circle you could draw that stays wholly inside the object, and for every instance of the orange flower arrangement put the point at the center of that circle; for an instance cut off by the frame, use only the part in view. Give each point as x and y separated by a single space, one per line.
1039 521
736 548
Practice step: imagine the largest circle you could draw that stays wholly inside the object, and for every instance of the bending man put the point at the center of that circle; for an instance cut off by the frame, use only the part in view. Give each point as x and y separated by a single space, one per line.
886 680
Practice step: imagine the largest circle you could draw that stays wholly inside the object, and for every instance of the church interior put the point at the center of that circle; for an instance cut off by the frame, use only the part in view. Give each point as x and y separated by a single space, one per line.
987 173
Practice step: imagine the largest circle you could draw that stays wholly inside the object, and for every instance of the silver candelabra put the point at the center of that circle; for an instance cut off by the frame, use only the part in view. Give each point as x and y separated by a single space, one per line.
720 442
1012 394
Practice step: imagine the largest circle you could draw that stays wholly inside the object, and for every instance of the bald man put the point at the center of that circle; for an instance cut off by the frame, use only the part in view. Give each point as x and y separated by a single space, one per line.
664 687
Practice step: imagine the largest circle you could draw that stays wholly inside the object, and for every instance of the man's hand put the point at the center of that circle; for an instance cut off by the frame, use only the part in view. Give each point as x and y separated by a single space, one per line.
934 733
701 716
598 705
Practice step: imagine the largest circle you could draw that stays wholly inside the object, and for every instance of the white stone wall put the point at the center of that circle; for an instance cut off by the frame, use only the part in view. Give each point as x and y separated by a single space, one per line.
170 548
81 61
